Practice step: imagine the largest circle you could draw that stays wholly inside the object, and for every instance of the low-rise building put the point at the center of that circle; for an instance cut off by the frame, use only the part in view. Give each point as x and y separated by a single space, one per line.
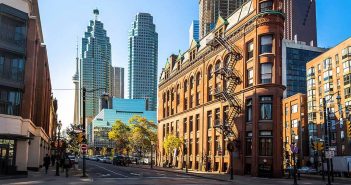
295 129
120 109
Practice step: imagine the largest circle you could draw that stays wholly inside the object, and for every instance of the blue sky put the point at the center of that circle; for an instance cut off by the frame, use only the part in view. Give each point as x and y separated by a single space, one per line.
65 21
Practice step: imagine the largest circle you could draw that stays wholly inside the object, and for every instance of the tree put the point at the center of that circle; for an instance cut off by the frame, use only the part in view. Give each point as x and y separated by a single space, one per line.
120 135
72 144
143 134
171 143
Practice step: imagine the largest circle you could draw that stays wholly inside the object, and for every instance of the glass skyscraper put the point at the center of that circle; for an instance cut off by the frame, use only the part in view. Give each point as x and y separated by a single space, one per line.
95 67
142 60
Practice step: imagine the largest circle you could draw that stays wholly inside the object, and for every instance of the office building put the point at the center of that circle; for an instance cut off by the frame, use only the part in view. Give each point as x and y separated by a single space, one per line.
122 110
27 109
328 80
295 56
117 82
194 31
211 10
95 66
203 102
142 60
295 129
300 21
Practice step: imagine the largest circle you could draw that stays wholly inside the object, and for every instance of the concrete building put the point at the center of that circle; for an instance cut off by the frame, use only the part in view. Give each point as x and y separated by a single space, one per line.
117 82
295 56
95 66
231 79
295 129
194 31
211 10
328 77
142 60
300 21
122 110
27 109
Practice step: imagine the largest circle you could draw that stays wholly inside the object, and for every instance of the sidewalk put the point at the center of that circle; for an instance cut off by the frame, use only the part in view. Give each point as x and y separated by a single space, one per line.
39 177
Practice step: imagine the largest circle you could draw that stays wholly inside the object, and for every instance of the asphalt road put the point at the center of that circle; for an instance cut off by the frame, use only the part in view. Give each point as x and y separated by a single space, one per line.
108 173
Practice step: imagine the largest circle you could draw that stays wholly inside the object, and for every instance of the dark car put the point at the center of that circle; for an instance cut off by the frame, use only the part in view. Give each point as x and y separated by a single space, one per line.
119 160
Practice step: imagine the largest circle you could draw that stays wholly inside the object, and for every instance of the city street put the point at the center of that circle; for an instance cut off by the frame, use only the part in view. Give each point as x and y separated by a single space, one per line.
100 173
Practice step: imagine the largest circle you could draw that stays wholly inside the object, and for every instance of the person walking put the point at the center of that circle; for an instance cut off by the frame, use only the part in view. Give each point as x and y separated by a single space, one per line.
67 164
53 158
46 163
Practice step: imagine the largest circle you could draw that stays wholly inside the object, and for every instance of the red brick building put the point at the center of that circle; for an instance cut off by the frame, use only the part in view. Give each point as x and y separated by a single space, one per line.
231 77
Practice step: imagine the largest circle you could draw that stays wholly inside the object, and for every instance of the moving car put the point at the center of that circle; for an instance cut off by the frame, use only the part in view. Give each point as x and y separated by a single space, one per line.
307 170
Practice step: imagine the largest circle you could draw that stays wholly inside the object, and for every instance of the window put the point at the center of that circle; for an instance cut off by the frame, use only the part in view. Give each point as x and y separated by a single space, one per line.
198 78
197 122
209 119
249 77
2 67
346 66
191 123
337 71
294 108
184 125
266 44
197 147
191 83
209 91
217 145
217 117
185 86
10 101
198 98
249 110
266 108
185 103
250 50
191 101
336 59
209 72
225 115
294 123
266 6
248 150
311 82
209 145
266 73
266 143
310 72
346 52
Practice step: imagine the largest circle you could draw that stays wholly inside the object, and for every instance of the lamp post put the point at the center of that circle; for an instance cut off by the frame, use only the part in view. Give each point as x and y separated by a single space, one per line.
58 149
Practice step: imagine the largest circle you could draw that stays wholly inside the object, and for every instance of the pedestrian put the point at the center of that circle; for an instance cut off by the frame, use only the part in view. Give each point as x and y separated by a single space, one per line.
46 163
67 164
53 158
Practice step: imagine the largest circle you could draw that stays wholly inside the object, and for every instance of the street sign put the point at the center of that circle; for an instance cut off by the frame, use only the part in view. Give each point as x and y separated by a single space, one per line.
329 154
83 147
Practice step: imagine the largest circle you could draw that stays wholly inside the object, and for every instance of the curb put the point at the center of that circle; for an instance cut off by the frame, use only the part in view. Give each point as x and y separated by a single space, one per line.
189 174
13 177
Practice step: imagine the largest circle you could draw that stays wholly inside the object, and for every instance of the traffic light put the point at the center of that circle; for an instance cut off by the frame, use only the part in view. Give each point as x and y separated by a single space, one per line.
80 137
348 128
317 145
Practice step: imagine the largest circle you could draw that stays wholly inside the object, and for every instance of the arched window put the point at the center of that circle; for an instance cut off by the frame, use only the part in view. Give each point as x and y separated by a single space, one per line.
191 82
209 72
185 85
218 65
198 78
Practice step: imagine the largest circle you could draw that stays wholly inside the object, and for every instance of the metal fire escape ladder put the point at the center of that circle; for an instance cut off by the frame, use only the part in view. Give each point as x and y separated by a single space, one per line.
227 94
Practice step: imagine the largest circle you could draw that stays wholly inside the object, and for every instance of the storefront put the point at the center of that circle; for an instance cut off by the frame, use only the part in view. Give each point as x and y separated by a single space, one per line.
7 156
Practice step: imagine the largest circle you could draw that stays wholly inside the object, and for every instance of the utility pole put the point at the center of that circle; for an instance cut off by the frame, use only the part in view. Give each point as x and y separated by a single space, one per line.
84 132
326 138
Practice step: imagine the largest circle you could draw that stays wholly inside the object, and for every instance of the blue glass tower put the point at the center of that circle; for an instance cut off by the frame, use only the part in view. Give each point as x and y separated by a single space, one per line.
95 67
142 60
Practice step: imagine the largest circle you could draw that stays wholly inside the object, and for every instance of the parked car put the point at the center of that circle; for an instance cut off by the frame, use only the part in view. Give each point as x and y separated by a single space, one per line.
119 160
307 170
107 160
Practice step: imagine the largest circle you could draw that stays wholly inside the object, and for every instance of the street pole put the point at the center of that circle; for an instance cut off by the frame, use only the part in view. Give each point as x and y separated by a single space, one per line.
231 165
58 151
295 169
151 156
326 137
84 132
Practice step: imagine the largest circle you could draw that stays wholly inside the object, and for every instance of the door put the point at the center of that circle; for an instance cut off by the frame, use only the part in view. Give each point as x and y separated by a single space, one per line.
4 156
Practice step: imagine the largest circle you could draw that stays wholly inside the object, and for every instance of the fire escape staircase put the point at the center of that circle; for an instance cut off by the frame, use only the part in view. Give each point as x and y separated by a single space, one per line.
227 94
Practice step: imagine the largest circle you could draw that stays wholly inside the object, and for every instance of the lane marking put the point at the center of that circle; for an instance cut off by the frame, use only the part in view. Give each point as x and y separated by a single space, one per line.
110 171
135 174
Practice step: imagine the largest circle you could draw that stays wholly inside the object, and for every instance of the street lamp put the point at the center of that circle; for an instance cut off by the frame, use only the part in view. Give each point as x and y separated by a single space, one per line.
58 148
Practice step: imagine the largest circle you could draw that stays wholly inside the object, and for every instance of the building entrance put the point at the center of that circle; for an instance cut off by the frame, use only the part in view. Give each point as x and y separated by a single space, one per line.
6 156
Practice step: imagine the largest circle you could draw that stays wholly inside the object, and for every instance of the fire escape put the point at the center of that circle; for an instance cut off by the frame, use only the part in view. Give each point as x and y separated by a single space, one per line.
232 79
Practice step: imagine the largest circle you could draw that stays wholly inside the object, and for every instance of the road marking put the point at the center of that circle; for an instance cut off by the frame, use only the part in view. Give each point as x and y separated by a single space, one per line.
110 171
135 174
